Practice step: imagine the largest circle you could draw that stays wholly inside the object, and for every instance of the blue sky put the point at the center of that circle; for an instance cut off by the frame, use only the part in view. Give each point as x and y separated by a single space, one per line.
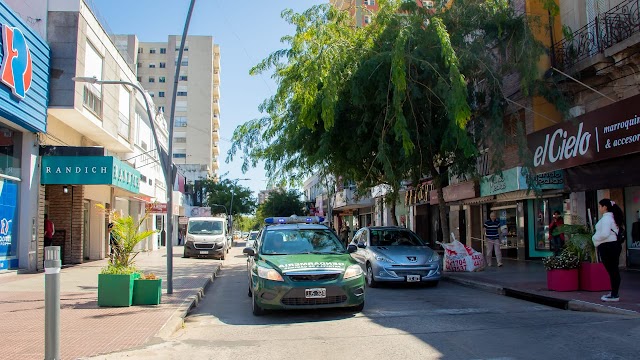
247 32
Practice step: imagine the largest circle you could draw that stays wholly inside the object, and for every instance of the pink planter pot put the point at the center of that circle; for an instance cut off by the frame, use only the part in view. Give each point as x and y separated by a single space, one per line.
594 277
562 280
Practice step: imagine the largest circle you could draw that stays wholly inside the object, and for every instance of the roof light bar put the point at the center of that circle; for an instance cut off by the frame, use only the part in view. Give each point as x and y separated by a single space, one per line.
294 220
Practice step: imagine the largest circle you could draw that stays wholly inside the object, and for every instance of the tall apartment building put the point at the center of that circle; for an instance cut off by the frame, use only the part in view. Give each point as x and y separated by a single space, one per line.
362 10
197 118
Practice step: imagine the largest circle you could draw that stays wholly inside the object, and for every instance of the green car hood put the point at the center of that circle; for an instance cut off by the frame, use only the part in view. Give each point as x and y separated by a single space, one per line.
308 262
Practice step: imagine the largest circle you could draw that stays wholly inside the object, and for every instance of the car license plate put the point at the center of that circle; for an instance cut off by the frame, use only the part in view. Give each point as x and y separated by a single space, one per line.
204 252
413 278
317 293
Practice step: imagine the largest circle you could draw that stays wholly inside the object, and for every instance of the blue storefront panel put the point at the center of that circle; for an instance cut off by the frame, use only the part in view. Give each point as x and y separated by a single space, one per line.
24 73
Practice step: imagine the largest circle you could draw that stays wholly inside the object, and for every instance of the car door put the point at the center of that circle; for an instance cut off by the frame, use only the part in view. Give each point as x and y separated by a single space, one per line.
360 238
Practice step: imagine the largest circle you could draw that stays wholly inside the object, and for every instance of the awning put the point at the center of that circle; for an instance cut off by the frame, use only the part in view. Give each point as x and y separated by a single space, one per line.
615 173
89 170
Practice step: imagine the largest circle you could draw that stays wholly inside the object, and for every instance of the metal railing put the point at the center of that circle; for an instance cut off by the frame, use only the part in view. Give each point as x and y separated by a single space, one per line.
607 29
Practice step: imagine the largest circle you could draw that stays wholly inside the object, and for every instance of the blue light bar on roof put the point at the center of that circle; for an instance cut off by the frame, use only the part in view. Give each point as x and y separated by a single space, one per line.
293 219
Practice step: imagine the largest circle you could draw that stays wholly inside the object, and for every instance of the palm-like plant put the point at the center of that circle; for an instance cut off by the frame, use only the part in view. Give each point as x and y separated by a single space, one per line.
579 241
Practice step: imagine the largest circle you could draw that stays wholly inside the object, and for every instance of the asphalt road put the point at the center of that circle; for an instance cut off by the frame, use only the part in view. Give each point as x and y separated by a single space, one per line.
399 322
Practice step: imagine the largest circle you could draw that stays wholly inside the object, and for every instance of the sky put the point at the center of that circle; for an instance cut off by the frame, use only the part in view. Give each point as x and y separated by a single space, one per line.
247 32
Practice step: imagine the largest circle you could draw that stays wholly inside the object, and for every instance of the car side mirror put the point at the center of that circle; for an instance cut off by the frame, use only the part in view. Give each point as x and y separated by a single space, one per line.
352 248
249 251
362 245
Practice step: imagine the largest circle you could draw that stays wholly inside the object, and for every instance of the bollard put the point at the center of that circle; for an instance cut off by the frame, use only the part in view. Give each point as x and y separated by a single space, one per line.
52 265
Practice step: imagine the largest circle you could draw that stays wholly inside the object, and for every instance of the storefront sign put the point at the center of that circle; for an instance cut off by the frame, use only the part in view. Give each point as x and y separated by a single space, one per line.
513 180
89 170
183 220
200 211
455 192
605 133
24 73
419 194
8 242
156 208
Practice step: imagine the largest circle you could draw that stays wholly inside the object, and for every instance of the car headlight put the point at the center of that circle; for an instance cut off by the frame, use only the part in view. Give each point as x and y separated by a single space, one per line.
190 238
353 271
434 257
382 258
269 274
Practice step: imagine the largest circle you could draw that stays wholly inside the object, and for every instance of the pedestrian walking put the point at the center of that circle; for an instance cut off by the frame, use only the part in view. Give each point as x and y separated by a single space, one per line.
49 231
492 238
556 241
344 234
606 242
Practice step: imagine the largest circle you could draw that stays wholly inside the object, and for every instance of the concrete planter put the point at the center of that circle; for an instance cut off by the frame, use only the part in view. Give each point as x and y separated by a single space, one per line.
594 277
563 279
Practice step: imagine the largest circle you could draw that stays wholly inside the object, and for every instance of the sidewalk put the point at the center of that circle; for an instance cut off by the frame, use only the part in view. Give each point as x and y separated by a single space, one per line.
528 280
85 328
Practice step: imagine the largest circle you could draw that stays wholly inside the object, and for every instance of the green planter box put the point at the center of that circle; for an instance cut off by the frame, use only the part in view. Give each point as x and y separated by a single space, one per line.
115 290
147 292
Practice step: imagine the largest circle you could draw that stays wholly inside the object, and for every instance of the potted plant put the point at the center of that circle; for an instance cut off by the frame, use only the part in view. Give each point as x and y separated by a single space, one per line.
562 271
593 275
147 290
115 282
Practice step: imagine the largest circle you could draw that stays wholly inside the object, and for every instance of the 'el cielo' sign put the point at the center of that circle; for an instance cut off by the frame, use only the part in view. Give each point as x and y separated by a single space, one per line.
605 133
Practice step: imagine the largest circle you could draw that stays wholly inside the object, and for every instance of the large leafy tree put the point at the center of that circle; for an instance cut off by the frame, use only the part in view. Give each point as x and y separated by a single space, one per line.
282 203
220 193
391 101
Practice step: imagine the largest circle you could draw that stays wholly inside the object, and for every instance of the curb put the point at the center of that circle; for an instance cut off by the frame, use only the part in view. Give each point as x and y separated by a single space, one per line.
573 305
176 321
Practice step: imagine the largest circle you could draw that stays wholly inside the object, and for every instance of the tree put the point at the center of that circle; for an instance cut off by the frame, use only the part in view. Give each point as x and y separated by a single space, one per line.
392 101
281 203
247 223
220 193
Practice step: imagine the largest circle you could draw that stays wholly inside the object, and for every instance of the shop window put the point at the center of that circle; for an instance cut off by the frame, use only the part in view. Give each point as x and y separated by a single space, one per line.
10 152
543 211
9 205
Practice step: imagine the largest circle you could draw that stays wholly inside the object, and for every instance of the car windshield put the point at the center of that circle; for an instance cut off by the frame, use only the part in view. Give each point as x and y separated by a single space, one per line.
301 241
253 235
395 237
205 227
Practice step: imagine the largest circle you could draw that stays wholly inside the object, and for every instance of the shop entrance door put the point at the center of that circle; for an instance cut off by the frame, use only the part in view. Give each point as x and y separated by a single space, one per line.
508 217
86 243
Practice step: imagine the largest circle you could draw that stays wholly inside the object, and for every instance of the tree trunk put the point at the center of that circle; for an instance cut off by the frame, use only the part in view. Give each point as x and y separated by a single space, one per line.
394 219
444 223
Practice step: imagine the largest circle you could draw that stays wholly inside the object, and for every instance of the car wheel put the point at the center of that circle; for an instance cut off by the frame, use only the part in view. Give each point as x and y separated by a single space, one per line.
255 308
249 294
223 256
371 282
184 254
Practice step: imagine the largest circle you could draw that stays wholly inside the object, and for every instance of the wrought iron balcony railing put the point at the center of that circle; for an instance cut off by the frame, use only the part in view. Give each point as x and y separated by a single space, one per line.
606 30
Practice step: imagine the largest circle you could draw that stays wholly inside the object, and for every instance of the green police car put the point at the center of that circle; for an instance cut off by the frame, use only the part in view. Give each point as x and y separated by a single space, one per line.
298 263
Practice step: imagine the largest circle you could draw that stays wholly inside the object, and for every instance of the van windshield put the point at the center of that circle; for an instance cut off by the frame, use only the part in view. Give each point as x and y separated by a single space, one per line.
203 227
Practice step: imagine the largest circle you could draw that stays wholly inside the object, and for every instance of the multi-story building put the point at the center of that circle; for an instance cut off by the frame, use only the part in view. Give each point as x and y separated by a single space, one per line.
196 132
97 151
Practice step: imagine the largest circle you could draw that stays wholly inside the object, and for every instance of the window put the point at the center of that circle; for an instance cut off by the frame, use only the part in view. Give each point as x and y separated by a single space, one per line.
163 50
182 93
92 97
152 51
161 94
180 140
139 78
180 156
152 79
163 65
369 2
152 65
367 19
140 50
181 106
181 121
152 94
123 112
139 64
183 63
183 78
161 108
162 79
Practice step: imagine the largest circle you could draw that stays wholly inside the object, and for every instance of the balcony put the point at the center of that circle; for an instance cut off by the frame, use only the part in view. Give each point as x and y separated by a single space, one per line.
215 135
215 165
216 106
606 30
347 199
216 121
215 150
216 79
216 92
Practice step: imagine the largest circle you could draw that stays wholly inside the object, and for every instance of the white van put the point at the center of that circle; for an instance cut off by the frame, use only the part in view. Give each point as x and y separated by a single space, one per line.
206 237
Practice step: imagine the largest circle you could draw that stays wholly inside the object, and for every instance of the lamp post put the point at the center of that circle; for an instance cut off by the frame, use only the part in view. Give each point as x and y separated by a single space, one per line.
165 162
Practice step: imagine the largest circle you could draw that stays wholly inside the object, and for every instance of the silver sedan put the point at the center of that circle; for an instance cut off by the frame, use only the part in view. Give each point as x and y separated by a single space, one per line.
395 254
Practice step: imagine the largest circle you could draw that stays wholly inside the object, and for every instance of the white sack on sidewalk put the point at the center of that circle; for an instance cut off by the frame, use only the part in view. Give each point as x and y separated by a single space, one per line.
460 257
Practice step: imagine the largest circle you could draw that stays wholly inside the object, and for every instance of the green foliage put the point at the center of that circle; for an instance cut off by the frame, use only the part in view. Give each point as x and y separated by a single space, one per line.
219 192
281 203
566 260
579 241
118 270
247 223
391 101
127 235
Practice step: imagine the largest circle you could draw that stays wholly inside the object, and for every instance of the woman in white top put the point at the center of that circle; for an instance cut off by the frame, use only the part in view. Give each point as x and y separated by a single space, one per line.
606 241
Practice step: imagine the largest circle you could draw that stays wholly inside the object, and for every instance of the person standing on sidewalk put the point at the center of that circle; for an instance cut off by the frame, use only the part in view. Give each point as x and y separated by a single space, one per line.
49 231
556 241
492 238
606 242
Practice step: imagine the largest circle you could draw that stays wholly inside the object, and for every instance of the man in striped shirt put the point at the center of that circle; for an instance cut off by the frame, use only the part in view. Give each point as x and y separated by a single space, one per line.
492 238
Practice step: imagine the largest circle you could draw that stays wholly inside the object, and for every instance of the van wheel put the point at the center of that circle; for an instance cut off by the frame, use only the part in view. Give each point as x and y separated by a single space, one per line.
223 256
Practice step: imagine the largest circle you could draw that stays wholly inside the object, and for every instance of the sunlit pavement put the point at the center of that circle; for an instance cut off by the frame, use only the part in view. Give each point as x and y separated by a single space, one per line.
399 322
